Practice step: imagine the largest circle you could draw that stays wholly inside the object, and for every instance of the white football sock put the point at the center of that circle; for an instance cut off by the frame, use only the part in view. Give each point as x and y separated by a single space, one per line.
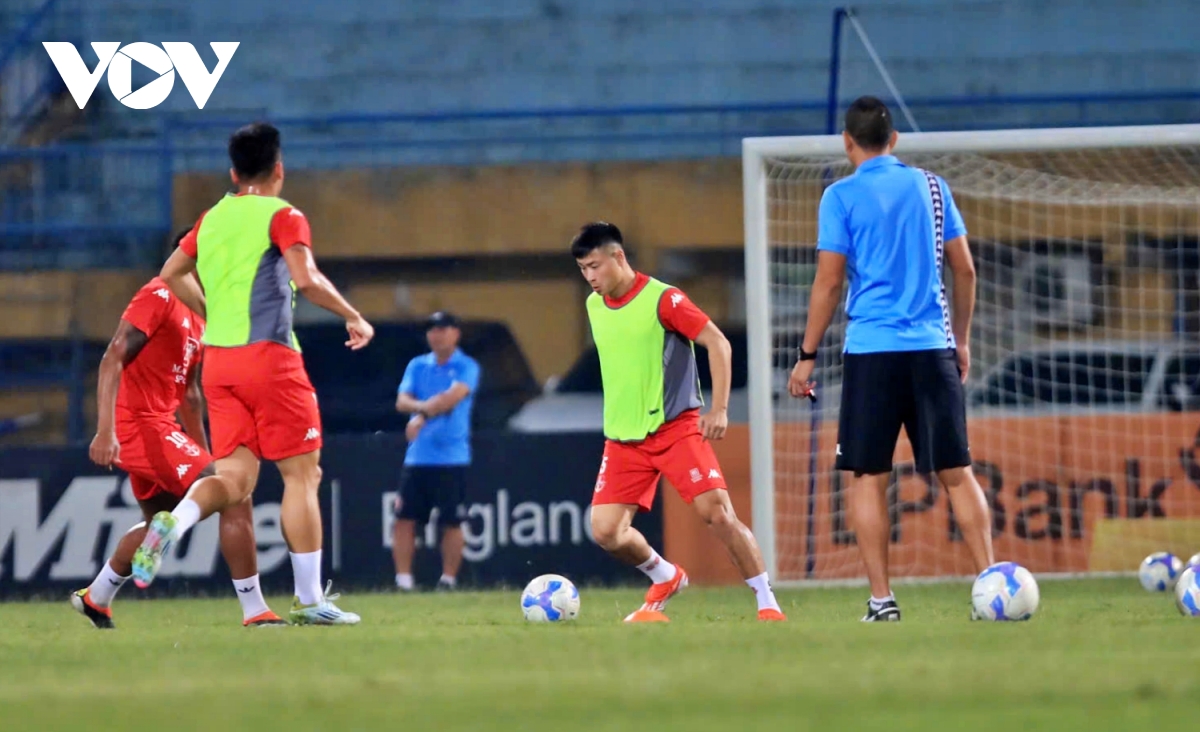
657 569
306 570
104 588
249 593
404 581
762 592
876 602
448 580
187 514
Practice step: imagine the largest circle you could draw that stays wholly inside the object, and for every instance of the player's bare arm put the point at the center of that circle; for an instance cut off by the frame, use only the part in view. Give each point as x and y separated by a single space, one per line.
191 409
962 270
826 294
125 345
318 290
178 274
408 404
432 407
447 400
720 364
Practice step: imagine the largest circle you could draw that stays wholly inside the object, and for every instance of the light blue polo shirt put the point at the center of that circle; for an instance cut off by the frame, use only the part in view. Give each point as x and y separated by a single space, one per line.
882 219
445 440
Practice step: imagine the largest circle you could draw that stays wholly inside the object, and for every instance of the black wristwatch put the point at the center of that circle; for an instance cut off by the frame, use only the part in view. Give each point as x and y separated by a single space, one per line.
806 356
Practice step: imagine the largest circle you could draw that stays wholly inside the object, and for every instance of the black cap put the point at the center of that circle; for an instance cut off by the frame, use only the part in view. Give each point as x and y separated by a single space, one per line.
441 319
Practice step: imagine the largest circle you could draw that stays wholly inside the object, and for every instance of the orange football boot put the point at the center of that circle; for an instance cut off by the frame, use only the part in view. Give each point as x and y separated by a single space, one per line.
651 610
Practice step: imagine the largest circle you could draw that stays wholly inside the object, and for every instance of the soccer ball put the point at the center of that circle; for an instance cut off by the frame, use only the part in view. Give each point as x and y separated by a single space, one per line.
1187 593
1005 591
1194 561
1159 571
550 598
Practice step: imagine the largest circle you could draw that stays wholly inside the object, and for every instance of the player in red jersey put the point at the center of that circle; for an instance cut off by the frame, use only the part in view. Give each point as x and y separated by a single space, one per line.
149 372
645 331
252 252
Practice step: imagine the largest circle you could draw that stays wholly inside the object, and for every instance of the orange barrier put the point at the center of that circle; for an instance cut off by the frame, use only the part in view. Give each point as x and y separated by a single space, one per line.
1068 494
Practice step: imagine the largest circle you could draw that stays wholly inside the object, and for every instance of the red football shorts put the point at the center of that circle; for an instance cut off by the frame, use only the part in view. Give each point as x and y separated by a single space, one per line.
629 471
275 419
158 456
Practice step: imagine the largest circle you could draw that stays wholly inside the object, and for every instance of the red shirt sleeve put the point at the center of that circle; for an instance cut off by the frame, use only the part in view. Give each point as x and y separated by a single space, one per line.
188 242
148 308
289 227
679 314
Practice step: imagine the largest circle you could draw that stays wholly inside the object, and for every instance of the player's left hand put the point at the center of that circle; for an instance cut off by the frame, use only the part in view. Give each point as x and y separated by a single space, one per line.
800 383
714 424
361 332
105 450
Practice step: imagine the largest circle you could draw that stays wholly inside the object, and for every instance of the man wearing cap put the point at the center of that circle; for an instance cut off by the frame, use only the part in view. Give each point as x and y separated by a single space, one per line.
438 390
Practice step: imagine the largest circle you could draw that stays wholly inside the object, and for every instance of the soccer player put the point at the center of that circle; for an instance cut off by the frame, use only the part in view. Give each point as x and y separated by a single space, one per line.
149 372
907 353
252 252
644 331
438 390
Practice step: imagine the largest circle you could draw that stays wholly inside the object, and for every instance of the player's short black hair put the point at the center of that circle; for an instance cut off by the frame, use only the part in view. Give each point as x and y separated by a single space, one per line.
254 150
869 122
593 236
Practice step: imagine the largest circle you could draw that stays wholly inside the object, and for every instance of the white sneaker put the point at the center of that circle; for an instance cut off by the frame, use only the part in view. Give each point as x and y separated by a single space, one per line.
323 612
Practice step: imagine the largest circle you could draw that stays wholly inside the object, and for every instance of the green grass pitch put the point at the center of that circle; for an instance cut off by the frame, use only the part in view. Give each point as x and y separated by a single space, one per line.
1101 654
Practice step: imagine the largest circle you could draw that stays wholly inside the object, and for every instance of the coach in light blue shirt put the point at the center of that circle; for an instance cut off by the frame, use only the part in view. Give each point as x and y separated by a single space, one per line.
438 391
889 228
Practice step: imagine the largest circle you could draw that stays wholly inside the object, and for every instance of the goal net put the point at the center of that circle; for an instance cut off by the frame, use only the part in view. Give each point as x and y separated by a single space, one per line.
1084 390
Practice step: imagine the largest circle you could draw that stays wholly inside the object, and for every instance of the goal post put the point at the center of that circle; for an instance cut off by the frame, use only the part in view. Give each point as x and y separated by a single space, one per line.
1084 396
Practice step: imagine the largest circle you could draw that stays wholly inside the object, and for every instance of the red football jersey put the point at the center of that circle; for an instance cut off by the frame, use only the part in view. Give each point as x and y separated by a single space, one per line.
155 381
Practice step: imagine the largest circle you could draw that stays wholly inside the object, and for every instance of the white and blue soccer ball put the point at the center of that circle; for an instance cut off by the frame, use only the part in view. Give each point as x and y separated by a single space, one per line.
1187 593
550 598
1159 571
1194 561
1005 591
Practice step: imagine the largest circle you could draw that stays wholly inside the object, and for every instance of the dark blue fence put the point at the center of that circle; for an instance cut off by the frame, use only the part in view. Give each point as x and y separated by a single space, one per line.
527 514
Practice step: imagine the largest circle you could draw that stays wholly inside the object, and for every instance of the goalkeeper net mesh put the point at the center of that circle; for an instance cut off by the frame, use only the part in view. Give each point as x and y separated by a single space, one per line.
1085 378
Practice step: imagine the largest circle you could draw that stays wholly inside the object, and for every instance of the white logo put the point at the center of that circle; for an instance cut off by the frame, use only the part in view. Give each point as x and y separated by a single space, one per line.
676 299
713 473
695 475
163 293
599 484
187 323
182 469
489 527
839 449
312 434
69 536
177 56
180 440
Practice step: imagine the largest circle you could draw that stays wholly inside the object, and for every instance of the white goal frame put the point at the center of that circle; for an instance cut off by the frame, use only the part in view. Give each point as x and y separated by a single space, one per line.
757 257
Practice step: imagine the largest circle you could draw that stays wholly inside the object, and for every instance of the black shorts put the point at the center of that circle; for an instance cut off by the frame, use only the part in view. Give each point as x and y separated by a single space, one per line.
424 488
919 390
